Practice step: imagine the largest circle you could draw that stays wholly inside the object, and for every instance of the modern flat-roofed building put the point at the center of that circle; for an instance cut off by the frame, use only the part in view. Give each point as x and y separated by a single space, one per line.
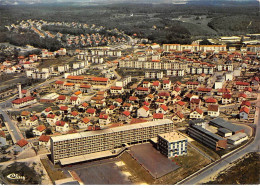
207 138
172 144
81 144
221 123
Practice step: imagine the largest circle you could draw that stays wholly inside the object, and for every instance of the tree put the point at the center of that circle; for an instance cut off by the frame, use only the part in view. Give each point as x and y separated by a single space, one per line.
29 133
48 131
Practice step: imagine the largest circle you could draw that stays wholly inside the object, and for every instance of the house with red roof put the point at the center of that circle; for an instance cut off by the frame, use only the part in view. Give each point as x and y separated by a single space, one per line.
39 130
254 82
118 102
32 121
115 90
127 106
176 91
245 104
179 106
203 90
85 88
91 112
61 126
166 84
52 118
44 140
84 123
62 99
241 85
64 109
111 109
244 112
149 98
156 85
75 100
58 84
47 111
133 99
195 103
223 91
158 116
163 109
142 91
248 91
226 99
192 85
196 114
178 117
210 101
242 97
104 119
22 102
144 111
213 110
21 145
125 116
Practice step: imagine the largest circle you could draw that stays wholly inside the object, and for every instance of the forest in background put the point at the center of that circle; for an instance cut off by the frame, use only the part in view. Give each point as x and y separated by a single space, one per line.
160 23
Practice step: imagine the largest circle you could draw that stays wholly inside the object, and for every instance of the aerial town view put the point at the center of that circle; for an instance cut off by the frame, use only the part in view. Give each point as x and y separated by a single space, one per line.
119 92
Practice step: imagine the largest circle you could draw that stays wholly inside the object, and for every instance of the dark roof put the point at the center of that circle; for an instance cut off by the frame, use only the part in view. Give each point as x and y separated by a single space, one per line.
196 121
219 122
223 130
199 128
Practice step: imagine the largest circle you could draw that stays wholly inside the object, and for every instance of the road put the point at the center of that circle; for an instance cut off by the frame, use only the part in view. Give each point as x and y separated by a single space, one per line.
221 164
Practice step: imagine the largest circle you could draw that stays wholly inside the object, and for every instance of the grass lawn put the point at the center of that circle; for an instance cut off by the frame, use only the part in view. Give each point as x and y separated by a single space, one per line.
54 175
207 150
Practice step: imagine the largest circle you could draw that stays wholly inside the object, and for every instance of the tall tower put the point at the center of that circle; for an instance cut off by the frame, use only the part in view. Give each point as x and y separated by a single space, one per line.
20 90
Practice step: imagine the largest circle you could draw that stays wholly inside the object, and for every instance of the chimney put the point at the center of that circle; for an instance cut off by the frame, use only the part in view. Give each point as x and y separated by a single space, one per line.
20 90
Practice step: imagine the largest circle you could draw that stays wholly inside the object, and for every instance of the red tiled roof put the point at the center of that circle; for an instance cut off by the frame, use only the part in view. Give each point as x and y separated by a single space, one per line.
24 91
44 138
181 103
213 108
126 113
180 115
25 113
91 110
142 89
146 103
103 116
146 108
246 103
69 84
99 79
226 96
48 109
177 89
63 108
127 104
73 98
116 88
84 104
178 83
112 107
22 143
51 116
244 109
157 116
60 123
2 134
156 83
248 89
164 94
85 86
23 100
59 82
119 100
192 83
74 113
33 118
211 100
204 89
198 110
164 107
41 128
132 98
224 90
85 120
166 81
62 97
242 83
243 95
75 77
196 101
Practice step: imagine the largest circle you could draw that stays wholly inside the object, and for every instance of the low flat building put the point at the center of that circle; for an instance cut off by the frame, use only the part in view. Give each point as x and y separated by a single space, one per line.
237 138
221 123
207 138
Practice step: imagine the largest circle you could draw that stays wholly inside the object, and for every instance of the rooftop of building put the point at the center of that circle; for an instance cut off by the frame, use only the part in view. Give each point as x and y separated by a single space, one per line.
172 136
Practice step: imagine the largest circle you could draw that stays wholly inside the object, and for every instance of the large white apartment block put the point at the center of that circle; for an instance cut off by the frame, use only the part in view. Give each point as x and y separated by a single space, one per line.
124 81
154 74
175 72
75 147
194 47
